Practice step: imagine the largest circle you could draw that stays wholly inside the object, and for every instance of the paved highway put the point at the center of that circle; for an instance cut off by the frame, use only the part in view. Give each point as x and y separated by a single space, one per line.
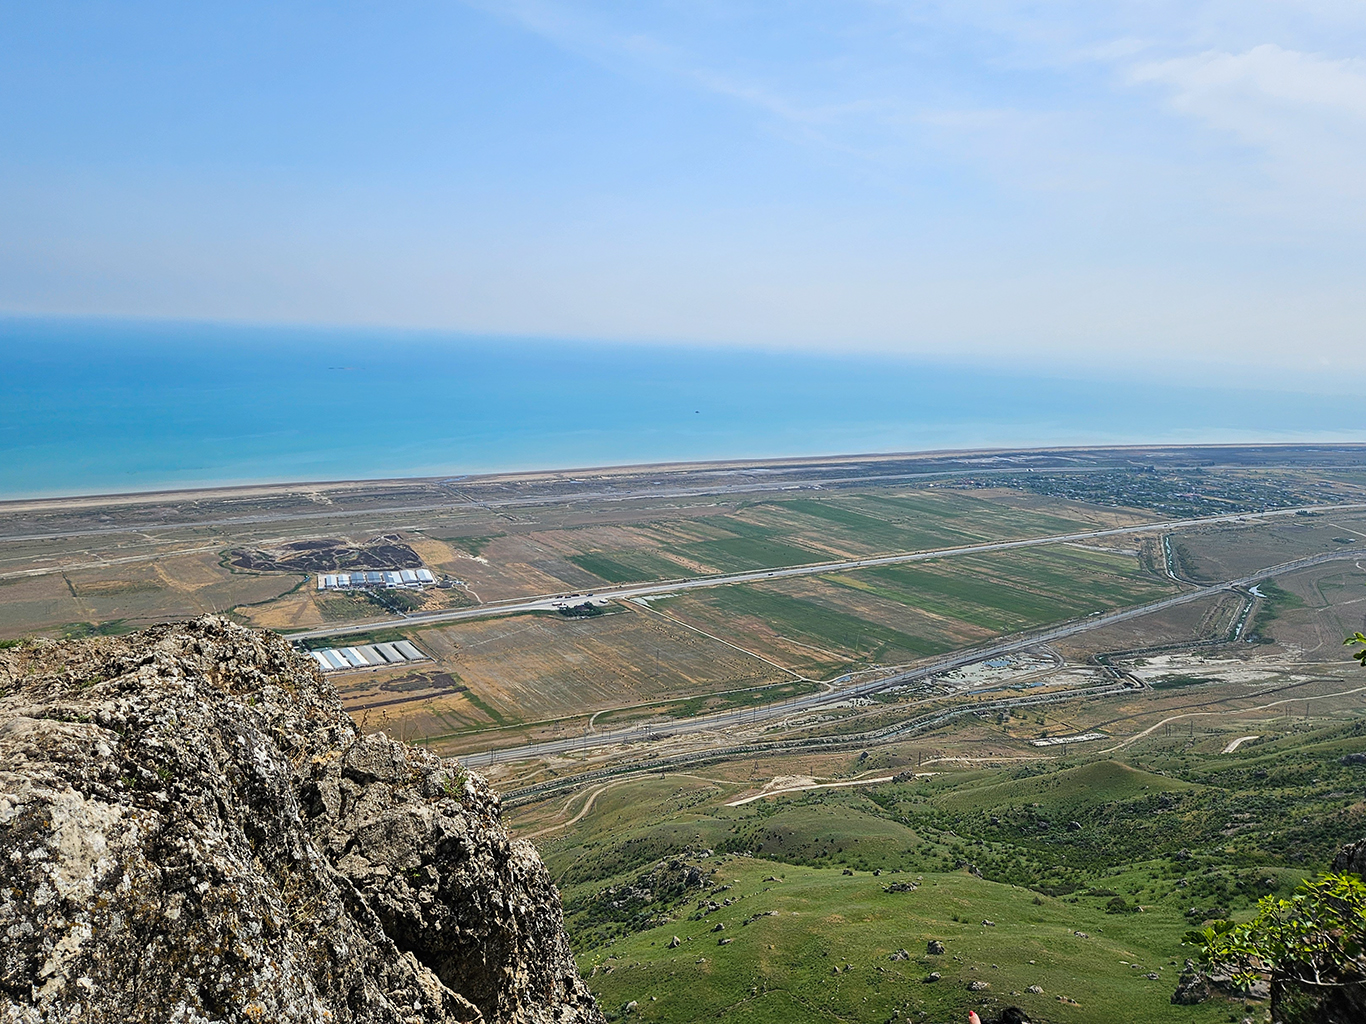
1006 646
550 602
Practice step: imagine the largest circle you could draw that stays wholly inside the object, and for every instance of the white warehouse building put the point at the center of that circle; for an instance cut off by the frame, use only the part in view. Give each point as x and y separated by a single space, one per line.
413 579
340 659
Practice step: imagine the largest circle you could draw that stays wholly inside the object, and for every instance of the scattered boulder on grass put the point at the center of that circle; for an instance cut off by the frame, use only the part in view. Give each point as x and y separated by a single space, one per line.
934 947
1035 990
932 977
1192 986
900 954
979 986
675 942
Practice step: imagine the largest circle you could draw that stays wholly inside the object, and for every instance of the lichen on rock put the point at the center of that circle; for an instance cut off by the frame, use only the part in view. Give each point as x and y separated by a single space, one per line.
192 829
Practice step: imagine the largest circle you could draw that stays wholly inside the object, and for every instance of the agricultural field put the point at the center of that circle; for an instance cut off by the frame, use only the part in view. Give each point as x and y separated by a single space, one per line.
248 552
256 563
1210 554
541 676
840 622
132 595
775 533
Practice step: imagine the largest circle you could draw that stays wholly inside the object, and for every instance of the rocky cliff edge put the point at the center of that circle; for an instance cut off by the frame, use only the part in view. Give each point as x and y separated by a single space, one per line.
192 830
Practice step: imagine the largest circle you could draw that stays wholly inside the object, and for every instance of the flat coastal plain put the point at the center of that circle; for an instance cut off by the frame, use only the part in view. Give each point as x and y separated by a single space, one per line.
842 707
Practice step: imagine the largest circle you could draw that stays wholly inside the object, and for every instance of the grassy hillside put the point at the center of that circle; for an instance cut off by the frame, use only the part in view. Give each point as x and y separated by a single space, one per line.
1130 852
812 944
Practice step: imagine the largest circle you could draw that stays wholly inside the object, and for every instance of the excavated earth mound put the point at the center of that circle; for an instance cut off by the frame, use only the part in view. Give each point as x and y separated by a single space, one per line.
192 830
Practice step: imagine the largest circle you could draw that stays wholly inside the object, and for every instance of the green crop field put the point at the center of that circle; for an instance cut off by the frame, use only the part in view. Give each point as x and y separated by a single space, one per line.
1012 590
817 623
870 523
629 566
777 533
741 554
893 614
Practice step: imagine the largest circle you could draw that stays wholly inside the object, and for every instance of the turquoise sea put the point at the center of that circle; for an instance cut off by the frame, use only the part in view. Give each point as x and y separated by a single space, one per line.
113 406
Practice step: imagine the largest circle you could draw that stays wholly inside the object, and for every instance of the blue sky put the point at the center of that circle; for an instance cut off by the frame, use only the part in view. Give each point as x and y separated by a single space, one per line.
1121 185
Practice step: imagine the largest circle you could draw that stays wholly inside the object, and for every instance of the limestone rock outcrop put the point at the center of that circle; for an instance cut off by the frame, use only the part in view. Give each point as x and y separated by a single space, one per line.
1352 858
192 830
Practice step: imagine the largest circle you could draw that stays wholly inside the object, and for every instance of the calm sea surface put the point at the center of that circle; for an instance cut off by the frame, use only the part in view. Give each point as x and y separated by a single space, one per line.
88 407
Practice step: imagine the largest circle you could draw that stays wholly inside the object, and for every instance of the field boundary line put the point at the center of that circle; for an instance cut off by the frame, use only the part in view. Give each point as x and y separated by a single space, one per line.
1001 646
548 602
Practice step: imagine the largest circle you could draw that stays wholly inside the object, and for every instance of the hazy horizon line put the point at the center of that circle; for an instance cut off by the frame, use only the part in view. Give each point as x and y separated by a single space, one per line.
267 484
1227 376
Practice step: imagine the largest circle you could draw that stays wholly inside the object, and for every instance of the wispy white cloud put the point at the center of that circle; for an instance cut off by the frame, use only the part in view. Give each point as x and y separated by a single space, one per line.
851 84
1266 74
1028 95
1305 112
621 42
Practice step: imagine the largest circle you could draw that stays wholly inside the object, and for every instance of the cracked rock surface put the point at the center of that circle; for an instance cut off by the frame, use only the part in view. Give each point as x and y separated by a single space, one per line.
192 830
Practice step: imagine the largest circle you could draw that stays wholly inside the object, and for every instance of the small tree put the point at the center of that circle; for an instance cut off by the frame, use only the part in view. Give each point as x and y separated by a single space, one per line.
1357 639
1312 946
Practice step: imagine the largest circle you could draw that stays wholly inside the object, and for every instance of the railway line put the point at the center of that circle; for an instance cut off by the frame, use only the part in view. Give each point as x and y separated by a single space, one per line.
723 721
